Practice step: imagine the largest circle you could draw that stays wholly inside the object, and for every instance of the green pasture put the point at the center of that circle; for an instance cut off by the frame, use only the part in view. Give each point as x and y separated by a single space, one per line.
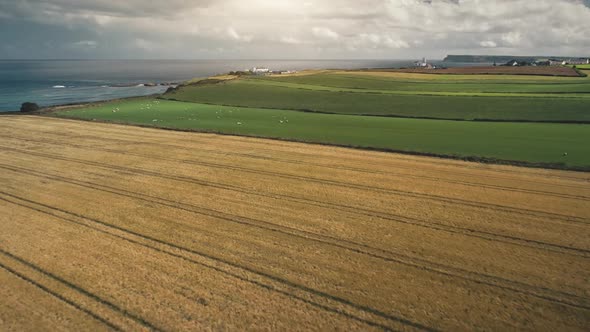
259 93
506 86
524 142
578 90
584 67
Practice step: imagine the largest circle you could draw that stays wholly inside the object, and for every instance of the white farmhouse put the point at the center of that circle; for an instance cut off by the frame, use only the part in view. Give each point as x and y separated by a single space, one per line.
260 71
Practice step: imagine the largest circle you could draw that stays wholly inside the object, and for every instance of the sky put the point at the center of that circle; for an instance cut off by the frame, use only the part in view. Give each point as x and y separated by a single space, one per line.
291 29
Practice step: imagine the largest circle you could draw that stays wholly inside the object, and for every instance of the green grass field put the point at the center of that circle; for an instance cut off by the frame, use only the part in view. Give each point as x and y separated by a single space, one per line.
584 67
465 85
261 93
524 142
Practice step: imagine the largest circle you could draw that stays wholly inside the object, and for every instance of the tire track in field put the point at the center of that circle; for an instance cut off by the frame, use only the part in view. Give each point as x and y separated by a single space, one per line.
455 201
432 225
386 255
279 280
265 148
74 287
59 297
305 178
397 174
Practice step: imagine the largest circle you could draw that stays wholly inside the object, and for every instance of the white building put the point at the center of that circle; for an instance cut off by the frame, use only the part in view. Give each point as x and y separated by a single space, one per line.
424 64
259 71
576 62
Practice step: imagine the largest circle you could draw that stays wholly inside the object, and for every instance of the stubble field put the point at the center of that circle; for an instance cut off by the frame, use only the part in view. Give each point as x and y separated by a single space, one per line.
109 227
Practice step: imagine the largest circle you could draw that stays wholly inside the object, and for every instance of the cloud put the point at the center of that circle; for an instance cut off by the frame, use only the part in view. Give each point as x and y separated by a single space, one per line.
512 38
85 44
143 44
488 44
233 34
290 40
325 33
284 28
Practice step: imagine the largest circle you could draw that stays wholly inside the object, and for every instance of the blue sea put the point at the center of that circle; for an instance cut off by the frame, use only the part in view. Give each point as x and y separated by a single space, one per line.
57 82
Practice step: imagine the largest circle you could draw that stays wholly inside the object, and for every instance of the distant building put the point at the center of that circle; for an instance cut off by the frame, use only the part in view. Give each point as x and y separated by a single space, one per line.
570 61
260 71
286 72
424 64
516 63
576 62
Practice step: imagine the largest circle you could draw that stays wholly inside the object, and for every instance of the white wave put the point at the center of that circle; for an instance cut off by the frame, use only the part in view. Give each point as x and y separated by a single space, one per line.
59 86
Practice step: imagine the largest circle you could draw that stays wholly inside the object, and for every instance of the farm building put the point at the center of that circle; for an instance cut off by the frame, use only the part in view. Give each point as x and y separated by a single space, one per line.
576 62
260 71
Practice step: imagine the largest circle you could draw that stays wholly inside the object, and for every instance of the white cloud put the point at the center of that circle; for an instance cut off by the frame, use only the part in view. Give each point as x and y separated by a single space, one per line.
488 44
290 40
512 38
85 44
144 44
233 34
325 33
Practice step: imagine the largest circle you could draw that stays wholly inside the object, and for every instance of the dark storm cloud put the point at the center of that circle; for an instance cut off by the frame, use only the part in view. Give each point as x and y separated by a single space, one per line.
290 28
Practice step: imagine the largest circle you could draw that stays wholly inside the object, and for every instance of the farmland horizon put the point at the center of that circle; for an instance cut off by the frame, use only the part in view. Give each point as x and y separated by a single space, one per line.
87 80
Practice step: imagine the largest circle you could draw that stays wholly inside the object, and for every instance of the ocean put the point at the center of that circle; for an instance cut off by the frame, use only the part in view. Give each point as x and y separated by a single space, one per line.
57 82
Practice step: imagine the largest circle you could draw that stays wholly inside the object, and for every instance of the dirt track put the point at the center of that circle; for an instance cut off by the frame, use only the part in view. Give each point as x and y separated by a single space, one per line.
123 228
499 70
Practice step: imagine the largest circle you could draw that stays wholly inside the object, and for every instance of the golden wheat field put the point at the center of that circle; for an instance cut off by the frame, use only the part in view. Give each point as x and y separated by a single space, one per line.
110 227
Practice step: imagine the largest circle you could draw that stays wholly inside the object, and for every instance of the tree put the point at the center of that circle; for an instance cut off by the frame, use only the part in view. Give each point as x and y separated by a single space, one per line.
29 107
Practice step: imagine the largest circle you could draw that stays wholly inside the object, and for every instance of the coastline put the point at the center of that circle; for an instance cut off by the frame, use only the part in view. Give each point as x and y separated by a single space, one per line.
62 107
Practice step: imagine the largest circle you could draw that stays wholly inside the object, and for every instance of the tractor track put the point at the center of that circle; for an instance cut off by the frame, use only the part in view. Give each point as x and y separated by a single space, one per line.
359 248
74 287
25 203
399 175
431 197
428 224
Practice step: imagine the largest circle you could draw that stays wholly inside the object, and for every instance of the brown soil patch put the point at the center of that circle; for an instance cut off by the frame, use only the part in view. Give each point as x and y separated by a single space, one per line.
499 70
116 227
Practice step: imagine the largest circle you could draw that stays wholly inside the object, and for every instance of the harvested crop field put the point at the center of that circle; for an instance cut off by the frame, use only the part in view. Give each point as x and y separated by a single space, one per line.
111 227
498 70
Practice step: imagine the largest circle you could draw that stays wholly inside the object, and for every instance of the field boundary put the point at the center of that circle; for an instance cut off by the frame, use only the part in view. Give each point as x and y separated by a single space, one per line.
488 70
485 94
473 159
